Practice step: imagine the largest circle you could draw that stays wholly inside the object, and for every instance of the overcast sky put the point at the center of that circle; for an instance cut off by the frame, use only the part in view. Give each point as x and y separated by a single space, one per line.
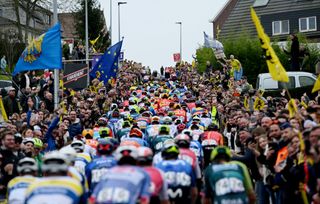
150 33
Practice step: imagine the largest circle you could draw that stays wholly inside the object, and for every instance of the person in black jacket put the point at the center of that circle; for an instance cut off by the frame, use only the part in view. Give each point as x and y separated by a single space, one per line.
10 103
294 53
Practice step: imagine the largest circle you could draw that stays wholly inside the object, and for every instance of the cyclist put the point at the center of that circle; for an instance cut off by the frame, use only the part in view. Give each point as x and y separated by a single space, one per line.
227 181
56 186
27 169
125 183
158 186
179 176
100 165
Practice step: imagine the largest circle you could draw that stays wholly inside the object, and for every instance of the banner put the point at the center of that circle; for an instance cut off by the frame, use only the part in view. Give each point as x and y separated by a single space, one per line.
75 76
176 57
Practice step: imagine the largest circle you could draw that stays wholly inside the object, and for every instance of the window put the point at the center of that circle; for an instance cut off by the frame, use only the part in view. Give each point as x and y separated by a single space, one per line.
47 19
269 83
258 3
308 24
280 27
290 85
306 81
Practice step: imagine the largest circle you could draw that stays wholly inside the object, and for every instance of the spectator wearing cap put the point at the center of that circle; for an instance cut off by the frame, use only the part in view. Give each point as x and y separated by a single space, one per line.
28 147
10 102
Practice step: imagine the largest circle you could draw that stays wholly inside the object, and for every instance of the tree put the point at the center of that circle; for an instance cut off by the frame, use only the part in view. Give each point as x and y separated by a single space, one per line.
96 27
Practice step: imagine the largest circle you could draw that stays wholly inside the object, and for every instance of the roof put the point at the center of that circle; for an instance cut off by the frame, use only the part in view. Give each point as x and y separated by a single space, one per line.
239 20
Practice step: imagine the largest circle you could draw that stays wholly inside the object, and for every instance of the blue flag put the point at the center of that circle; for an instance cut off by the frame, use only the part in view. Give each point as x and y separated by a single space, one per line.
107 66
43 52
212 43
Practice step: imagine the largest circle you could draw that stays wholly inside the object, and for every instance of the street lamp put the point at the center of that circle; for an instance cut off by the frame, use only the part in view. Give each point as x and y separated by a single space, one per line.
180 23
119 3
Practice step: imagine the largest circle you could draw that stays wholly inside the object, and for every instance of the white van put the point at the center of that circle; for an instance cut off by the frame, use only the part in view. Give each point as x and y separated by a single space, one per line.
296 80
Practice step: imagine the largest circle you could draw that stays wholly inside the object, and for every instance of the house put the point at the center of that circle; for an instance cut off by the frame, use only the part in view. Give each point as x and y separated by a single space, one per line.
68 27
278 17
39 21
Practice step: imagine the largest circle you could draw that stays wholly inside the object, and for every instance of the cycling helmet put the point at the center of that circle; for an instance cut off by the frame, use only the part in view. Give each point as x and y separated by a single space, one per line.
164 130
170 150
221 152
115 113
105 132
181 127
123 152
155 120
102 122
69 152
198 104
77 145
135 132
126 124
130 143
167 120
146 114
145 154
196 119
37 143
113 106
27 165
188 132
87 133
104 147
55 162
182 140
177 106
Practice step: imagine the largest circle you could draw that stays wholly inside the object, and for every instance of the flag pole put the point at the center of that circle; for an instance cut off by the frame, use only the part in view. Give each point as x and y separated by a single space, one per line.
56 71
87 41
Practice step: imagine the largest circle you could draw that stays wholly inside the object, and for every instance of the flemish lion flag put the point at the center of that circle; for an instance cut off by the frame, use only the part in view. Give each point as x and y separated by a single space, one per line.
275 67
316 86
292 108
3 111
258 104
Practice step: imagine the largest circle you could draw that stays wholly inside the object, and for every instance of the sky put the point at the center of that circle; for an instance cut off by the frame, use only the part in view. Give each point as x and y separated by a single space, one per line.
150 33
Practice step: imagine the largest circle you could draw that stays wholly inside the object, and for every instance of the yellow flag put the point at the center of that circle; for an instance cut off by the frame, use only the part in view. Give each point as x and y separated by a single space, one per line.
93 42
246 103
275 67
304 104
292 108
258 104
316 86
3 111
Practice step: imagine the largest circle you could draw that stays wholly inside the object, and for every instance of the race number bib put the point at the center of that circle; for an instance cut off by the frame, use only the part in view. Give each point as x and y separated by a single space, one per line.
113 195
229 185
96 174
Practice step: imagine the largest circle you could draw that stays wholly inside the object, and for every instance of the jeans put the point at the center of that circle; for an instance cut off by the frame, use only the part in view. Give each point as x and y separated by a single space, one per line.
238 74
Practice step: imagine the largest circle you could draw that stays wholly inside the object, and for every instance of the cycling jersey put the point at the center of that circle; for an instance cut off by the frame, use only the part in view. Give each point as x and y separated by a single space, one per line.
17 188
53 190
122 184
227 183
180 178
98 168
81 162
158 187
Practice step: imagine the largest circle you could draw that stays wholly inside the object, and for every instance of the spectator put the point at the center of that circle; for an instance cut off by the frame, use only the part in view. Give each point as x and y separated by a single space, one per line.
75 126
10 103
3 63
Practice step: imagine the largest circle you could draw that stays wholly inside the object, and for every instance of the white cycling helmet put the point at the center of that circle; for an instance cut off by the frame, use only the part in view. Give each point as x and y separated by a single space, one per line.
77 145
69 152
27 165
55 162
167 120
